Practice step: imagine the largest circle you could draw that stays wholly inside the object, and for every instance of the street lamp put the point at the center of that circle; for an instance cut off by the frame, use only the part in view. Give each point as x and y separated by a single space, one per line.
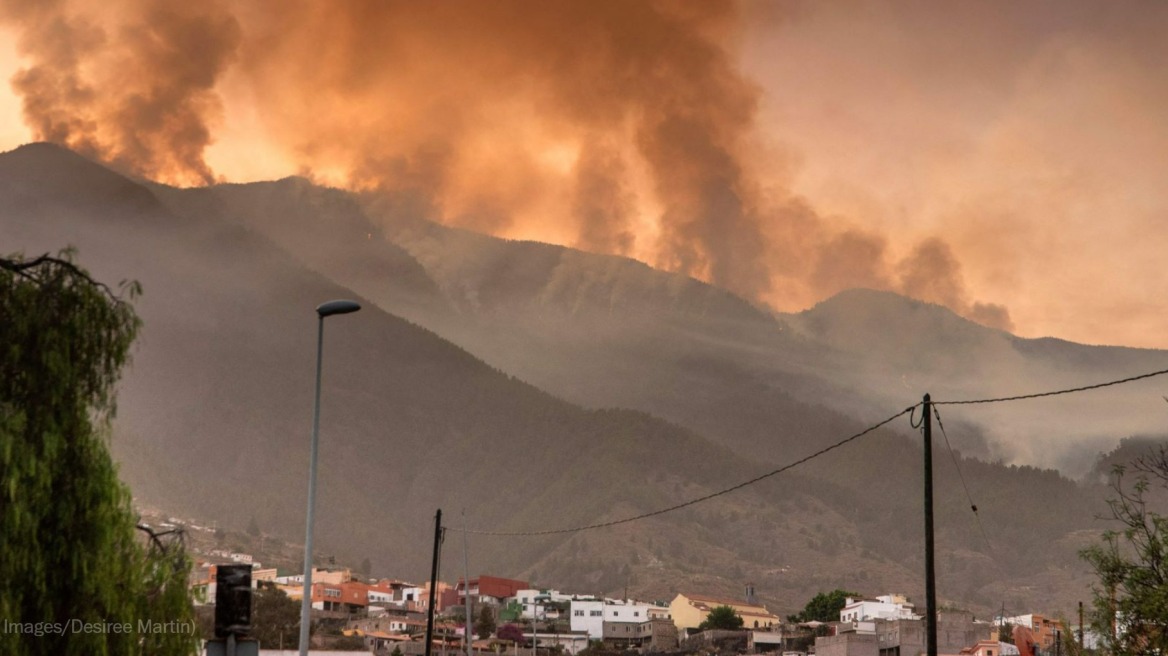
322 311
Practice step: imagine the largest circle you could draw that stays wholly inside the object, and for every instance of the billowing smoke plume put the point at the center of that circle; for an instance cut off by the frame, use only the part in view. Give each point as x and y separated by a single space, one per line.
932 273
137 92
616 126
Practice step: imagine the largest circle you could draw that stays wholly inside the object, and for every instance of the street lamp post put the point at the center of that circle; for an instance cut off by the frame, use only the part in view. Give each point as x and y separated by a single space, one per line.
322 311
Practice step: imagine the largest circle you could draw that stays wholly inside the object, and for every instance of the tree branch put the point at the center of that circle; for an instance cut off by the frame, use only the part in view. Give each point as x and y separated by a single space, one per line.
22 268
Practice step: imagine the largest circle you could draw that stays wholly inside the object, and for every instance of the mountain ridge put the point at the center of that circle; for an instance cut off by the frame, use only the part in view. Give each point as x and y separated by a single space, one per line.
217 401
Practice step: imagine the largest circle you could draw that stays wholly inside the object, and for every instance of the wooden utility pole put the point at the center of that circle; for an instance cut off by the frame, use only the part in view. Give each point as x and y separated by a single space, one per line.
433 581
930 572
466 583
1080 627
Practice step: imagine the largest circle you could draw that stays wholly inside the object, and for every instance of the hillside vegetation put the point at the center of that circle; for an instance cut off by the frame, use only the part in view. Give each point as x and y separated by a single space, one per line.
538 387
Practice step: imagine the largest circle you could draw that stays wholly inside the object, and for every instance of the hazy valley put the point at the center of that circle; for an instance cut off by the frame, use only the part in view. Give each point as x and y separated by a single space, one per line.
539 387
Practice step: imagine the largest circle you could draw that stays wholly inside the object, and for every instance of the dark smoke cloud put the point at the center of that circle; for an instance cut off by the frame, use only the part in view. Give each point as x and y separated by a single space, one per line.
52 88
602 201
932 273
851 259
571 120
136 92
496 83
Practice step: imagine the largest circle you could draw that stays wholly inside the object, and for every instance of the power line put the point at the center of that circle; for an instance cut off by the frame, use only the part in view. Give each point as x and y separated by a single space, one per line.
968 496
990 552
1055 393
909 411
700 499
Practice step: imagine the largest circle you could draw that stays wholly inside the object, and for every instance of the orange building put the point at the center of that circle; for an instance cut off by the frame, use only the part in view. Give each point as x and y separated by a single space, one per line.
1044 629
347 597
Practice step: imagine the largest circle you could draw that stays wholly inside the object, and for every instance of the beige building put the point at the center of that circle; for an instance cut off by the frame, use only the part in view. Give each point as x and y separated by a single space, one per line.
848 644
690 610
956 630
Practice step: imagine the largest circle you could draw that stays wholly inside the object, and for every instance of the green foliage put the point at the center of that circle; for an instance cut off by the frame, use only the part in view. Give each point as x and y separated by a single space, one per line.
1131 598
824 607
723 618
396 651
1006 633
275 618
485 624
1070 642
71 553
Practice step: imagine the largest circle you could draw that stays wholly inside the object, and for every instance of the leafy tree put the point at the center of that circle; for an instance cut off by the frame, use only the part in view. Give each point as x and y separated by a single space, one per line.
485 624
1130 605
366 568
1070 642
1006 632
723 618
396 651
70 550
823 607
275 617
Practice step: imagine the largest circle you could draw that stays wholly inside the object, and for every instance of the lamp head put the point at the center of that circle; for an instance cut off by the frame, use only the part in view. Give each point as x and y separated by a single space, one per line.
337 307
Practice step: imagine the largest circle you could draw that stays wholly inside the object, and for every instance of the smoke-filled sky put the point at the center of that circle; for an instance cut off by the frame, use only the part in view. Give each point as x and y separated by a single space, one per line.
1008 160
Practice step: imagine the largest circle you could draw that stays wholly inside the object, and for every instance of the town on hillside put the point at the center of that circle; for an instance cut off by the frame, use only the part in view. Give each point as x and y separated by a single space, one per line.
390 617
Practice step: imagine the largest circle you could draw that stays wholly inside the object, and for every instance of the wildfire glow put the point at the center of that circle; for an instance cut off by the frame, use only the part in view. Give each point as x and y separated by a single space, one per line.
987 157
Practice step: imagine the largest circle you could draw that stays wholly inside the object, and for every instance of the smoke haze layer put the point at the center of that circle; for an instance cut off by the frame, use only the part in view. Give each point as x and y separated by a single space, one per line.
628 128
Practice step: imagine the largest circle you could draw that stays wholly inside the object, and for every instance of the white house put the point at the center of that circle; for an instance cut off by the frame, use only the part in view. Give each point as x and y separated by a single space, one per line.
627 611
572 643
380 597
535 603
414 594
589 615
885 607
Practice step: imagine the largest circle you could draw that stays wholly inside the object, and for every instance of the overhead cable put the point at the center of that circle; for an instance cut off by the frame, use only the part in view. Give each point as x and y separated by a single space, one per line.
700 499
968 496
907 411
1057 392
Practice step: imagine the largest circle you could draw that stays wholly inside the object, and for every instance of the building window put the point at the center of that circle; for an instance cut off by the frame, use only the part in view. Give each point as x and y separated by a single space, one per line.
580 613
636 613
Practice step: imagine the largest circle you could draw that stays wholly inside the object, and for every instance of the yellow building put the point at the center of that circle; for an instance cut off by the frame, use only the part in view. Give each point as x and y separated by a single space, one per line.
690 610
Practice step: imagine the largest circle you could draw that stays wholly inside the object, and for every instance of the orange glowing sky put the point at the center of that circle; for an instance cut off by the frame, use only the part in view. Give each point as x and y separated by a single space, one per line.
1008 160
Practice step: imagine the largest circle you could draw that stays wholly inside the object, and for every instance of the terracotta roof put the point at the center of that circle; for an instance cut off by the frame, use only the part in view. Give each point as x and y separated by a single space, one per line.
752 609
